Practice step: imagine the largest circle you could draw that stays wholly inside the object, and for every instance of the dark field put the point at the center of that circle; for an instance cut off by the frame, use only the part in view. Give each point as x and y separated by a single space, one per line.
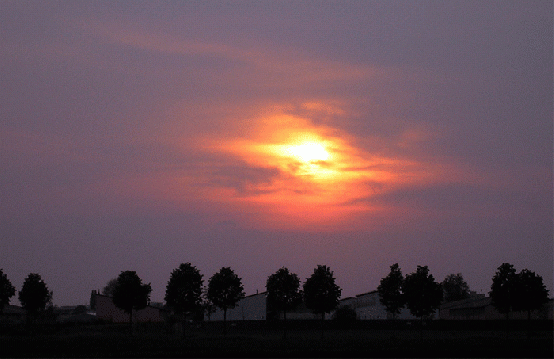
304 339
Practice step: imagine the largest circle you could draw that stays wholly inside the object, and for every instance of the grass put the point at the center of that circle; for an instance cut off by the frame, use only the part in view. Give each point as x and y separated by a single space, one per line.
267 341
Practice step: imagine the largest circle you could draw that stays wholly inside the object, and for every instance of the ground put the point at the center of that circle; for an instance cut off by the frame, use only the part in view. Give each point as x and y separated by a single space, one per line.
267 340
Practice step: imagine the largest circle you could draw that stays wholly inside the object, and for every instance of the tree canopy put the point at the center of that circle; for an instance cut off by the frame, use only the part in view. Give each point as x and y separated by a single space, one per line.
423 295
390 291
321 294
502 288
225 290
523 291
110 287
7 290
183 292
530 293
34 295
283 292
454 288
129 293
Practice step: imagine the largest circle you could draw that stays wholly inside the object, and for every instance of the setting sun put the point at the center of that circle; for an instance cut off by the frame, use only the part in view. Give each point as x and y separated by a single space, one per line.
308 152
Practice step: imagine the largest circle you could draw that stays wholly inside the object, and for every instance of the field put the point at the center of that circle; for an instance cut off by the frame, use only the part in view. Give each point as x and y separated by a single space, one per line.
303 339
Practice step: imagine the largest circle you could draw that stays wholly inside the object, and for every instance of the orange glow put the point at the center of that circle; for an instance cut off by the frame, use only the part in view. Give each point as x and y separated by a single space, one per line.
320 176
311 176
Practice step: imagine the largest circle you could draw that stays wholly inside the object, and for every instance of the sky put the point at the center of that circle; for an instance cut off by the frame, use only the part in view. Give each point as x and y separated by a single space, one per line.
139 135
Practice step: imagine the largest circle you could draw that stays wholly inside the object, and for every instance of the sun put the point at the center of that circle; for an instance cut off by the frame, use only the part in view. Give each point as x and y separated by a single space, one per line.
308 152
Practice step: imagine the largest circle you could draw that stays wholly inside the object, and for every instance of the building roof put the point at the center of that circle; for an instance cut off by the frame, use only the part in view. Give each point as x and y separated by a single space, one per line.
372 292
472 302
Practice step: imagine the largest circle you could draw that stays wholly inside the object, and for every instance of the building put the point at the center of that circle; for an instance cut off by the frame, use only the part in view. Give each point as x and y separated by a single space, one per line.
369 307
301 312
106 310
479 307
74 314
252 307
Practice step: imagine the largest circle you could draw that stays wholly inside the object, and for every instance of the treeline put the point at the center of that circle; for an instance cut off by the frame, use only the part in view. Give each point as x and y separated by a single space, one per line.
186 294
510 291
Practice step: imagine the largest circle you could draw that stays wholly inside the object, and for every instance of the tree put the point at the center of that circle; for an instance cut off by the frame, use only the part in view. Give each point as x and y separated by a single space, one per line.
530 293
225 290
422 294
183 293
390 291
34 295
503 288
7 290
283 292
110 287
129 293
454 288
321 294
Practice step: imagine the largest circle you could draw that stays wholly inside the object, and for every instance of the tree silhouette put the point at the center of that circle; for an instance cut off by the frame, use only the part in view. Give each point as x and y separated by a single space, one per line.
183 293
390 291
129 293
7 290
34 295
423 295
110 287
283 292
225 290
530 292
321 294
455 288
503 288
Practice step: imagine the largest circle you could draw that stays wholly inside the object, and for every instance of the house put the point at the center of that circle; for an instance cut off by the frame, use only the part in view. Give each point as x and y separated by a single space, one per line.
480 308
106 310
369 307
252 307
301 312
74 314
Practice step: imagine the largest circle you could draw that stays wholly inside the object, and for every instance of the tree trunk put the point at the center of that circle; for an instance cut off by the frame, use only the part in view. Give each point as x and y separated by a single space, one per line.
322 324
184 325
225 321
285 324
528 324
131 321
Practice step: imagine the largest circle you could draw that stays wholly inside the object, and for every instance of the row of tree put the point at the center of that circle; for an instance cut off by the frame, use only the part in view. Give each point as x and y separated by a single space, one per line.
34 295
185 292
510 291
186 295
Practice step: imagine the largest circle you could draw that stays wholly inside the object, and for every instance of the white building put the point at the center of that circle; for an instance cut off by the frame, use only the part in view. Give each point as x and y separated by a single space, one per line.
252 307
369 307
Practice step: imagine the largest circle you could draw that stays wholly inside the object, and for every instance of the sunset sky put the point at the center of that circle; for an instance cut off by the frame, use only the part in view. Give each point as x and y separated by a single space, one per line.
138 135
